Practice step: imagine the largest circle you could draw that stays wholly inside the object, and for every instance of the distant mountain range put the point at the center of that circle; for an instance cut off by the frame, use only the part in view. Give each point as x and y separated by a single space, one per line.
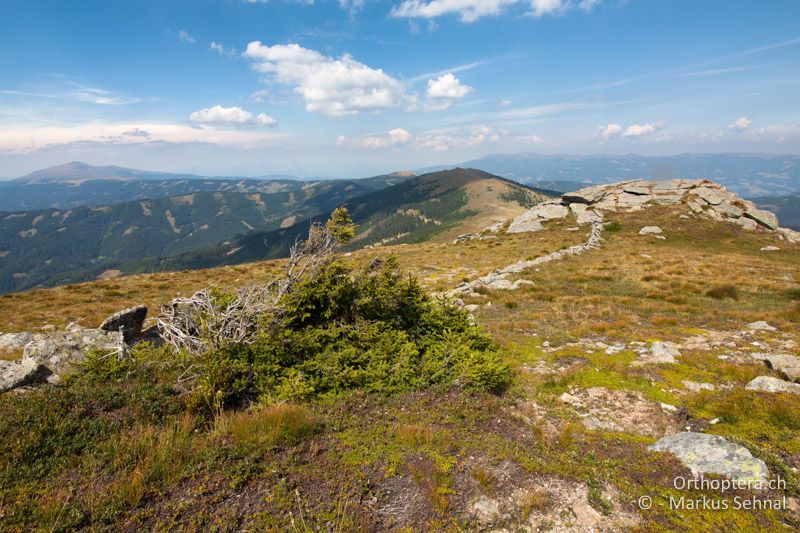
748 175
78 184
204 229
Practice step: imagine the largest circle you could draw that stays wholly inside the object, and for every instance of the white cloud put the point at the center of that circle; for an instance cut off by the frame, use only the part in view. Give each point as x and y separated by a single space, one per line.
611 130
505 102
740 124
615 131
78 93
447 86
472 10
184 37
221 49
540 8
467 10
395 137
442 93
230 115
23 138
637 130
330 86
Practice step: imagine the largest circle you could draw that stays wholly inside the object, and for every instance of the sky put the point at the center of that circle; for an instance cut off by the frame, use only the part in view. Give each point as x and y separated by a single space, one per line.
354 88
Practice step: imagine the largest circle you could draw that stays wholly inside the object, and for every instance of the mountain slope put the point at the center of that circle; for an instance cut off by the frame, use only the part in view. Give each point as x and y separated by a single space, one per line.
56 246
746 174
435 206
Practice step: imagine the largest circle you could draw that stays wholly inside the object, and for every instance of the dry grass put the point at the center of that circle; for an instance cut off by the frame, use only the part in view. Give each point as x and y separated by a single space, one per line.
267 425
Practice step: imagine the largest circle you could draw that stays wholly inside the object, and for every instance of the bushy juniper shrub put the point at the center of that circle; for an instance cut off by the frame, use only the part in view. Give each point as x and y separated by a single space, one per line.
375 330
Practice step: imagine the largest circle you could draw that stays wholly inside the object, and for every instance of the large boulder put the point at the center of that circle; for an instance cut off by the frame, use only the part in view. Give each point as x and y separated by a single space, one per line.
128 321
712 454
60 351
771 384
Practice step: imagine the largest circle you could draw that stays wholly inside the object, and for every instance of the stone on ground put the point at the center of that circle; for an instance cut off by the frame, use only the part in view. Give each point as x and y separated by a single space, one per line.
771 384
15 374
650 230
760 326
712 454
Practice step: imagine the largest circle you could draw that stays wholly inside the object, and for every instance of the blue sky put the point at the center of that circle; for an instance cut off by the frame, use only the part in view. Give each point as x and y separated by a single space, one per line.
360 87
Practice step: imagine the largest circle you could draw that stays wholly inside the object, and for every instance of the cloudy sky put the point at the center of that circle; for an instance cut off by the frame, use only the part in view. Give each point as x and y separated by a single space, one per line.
359 87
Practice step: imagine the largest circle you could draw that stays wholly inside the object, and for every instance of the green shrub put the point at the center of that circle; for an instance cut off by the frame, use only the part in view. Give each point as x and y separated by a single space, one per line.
375 330
613 226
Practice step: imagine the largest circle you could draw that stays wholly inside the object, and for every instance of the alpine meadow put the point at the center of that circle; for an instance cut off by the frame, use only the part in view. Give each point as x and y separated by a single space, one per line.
401 265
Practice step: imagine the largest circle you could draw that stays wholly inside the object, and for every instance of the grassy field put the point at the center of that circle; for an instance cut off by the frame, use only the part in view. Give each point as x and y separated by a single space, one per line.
126 456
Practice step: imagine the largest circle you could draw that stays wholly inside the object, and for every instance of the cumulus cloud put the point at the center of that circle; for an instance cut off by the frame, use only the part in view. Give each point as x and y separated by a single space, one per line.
395 137
184 37
472 10
615 131
447 86
330 86
740 124
230 115
443 92
352 6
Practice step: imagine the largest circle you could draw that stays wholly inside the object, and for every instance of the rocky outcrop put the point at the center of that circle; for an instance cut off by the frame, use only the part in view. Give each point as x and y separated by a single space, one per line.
703 198
711 454
60 351
129 322
47 356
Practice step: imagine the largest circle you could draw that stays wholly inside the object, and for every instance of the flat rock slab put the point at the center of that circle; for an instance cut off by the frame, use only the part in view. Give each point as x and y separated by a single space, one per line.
786 364
771 384
760 326
659 353
712 454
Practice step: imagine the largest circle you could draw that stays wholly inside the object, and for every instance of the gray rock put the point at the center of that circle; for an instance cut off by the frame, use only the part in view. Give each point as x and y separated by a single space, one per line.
550 211
697 387
711 454
15 341
15 374
729 210
747 223
764 218
771 384
760 326
587 195
128 321
660 353
712 196
770 249
637 187
626 199
786 364
650 230
524 223
60 351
